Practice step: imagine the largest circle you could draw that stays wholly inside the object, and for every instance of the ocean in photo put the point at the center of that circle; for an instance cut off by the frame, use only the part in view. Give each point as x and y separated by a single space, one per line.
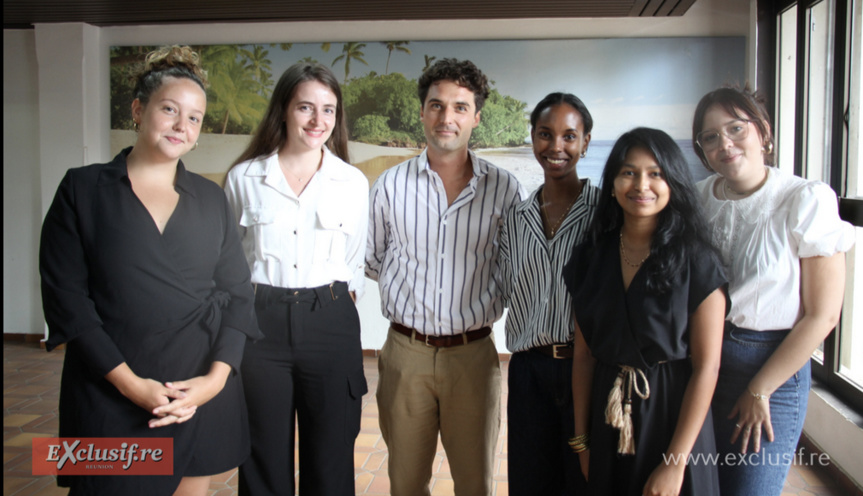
521 162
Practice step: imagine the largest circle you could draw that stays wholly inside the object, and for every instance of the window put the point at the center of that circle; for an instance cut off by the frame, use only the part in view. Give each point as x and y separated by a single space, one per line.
818 125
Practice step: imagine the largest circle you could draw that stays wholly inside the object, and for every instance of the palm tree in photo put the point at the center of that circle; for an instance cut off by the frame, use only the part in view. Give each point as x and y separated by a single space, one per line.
394 45
235 97
429 61
351 51
260 66
283 46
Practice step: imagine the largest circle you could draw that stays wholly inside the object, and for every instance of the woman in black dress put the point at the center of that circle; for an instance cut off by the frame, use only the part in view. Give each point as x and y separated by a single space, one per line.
144 279
648 298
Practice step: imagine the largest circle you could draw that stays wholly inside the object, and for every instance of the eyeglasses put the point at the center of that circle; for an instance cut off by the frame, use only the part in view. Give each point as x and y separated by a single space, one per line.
735 131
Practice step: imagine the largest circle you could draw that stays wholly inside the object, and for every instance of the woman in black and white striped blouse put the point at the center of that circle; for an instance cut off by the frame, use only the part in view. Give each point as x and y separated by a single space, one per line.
536 241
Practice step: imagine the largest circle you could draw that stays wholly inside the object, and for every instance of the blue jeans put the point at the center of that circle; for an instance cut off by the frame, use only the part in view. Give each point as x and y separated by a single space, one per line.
744 352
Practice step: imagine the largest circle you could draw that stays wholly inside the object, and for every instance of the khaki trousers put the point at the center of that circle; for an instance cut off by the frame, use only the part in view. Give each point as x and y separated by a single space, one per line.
425 391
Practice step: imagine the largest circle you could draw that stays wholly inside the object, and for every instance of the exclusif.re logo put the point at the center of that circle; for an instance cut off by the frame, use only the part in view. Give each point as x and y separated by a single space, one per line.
103 456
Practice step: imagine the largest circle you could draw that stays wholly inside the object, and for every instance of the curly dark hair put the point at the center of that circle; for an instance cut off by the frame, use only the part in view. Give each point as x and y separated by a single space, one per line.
742 103
462 72
681 227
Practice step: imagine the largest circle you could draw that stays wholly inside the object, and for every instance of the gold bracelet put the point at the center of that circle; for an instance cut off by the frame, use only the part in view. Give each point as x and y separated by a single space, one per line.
580 447
758 396
579 443
581 438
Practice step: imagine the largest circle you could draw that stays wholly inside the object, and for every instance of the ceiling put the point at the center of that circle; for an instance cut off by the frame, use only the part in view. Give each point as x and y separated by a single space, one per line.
26 13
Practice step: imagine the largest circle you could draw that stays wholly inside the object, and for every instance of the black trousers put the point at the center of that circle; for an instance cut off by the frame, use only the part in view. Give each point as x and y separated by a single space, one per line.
540 422
309 367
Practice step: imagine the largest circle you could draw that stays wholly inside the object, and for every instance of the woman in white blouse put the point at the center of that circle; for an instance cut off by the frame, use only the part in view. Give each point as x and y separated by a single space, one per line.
782 245
303 214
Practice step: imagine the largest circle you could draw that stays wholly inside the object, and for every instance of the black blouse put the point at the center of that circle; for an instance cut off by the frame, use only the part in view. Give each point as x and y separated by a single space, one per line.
112 281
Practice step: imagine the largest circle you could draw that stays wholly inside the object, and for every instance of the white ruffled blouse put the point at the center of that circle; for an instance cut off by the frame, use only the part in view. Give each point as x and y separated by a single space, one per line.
763 237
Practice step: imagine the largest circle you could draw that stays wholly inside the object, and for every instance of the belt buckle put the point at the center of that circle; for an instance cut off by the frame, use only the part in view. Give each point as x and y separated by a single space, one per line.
427 341
554 349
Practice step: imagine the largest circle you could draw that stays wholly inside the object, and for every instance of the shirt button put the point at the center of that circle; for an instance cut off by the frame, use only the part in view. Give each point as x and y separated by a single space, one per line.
256 218
295 232
295 266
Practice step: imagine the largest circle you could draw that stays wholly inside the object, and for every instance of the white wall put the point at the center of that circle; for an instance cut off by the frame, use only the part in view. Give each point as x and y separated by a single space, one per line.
21 188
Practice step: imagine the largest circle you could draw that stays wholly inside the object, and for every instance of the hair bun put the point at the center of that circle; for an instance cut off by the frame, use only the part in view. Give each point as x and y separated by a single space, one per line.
175 56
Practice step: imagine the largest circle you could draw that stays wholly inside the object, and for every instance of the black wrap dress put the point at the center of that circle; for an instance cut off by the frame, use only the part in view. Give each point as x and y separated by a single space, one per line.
648 331
168 304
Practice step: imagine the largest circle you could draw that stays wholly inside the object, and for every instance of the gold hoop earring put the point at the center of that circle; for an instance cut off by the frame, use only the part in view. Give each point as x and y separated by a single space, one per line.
136 126
768 148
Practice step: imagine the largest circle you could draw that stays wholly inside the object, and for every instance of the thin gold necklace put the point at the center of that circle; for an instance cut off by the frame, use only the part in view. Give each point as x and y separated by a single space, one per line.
560 219
729 189
626 259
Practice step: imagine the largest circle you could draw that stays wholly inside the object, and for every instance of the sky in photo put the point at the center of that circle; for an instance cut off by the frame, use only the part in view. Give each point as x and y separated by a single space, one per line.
625 82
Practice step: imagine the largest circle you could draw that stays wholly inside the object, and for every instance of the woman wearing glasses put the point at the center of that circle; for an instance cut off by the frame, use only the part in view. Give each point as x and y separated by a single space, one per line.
782 244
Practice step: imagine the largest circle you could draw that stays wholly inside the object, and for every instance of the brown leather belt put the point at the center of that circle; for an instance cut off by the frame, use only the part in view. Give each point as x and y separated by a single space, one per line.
441 341
560 351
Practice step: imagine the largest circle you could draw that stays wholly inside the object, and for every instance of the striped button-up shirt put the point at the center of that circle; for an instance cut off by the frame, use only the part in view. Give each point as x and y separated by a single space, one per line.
434 262
531 271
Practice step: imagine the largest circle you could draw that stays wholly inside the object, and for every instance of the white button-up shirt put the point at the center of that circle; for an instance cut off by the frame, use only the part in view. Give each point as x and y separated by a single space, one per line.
435 262
301 241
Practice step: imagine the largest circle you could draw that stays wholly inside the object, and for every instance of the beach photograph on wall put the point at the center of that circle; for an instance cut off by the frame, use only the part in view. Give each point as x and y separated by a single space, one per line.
624 82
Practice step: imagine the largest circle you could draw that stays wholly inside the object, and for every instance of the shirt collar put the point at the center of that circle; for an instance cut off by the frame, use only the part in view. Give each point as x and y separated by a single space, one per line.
588 196
480 167
269 167
118 170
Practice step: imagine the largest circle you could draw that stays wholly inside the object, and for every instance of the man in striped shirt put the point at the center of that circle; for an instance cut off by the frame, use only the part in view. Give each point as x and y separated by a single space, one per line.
432 247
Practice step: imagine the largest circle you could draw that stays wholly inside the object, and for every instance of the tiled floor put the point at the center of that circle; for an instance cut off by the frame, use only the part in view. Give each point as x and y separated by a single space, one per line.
31 379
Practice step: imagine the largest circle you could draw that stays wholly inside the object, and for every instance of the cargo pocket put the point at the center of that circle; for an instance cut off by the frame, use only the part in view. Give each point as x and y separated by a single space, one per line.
357 387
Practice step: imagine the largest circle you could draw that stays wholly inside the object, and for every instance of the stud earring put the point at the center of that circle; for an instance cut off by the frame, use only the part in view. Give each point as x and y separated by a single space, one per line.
196 146
582 154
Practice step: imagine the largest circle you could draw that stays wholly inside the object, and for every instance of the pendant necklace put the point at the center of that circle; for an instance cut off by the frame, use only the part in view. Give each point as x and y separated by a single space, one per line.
554 228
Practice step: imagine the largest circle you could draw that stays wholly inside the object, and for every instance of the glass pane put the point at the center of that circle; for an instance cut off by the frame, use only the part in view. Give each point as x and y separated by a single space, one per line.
851 333
818 90
786 85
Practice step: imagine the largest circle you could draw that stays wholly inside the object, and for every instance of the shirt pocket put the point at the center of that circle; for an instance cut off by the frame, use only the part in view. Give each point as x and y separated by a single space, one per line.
334 227
257 221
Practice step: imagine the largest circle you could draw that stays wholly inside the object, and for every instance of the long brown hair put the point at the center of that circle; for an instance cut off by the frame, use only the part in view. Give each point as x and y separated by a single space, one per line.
271 134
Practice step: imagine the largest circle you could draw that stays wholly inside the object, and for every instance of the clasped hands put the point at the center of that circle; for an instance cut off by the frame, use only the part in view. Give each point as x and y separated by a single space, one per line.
175 402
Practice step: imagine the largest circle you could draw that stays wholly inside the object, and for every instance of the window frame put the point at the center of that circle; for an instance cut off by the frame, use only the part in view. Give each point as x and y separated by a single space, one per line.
851 209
